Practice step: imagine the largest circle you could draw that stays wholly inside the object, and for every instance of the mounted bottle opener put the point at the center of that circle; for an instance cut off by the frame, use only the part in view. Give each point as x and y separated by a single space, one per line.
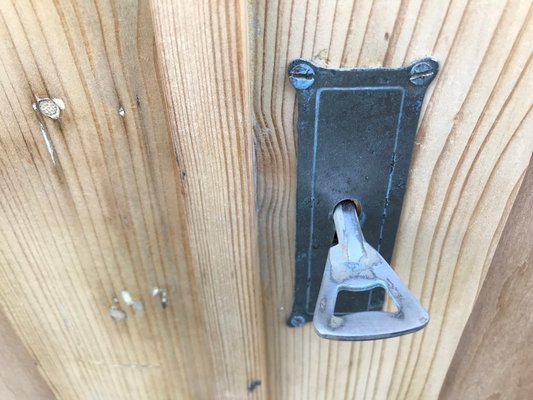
356 130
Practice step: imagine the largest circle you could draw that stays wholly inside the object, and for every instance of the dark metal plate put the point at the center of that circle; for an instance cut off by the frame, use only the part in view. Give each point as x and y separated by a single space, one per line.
356 129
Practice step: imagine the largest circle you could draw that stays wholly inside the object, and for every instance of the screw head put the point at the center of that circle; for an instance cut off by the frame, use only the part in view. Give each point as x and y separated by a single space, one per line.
421 73
50 108
297 320
301 76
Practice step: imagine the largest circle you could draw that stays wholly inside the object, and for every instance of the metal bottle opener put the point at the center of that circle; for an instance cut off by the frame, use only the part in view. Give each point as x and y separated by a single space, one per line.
354 265
356 133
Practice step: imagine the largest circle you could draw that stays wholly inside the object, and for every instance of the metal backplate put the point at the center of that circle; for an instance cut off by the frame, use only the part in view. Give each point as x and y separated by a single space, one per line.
356 130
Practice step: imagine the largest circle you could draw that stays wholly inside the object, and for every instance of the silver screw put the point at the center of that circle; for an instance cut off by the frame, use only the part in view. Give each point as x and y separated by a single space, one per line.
421 74
297 320
162 294
301 76
50 108
115 312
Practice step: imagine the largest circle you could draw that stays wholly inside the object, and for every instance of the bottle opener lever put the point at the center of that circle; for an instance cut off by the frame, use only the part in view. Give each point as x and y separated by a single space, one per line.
354 265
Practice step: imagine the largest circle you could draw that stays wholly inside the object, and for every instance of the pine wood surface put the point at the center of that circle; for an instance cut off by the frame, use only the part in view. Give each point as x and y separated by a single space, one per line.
493 359
204 67
473 145
19 377
193 189
107 213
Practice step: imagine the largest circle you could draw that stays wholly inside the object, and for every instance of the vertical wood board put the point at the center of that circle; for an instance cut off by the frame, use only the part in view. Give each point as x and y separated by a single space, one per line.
493 359
96 207
204 65
20 378
474 141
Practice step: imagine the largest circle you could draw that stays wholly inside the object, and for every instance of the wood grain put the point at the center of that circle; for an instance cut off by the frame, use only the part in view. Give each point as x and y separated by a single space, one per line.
204 67
493 359
19 374
473 145
108 213
178 127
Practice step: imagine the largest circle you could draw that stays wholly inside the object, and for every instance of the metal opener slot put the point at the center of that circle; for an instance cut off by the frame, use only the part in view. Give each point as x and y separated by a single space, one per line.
356 130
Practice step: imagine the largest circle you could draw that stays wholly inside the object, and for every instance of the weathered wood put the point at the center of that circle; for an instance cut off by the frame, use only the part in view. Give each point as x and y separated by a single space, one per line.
127 191
19 375
473 144
494 359
104 212
203 47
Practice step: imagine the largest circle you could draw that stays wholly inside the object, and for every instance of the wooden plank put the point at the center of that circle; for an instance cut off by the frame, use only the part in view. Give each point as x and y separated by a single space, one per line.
19 375
494 359
203 47
473 144
104 211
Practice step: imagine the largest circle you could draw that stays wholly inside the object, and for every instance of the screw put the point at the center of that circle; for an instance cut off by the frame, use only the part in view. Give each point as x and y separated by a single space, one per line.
421 74
253 385
50 108
297 320
115 312
301 76
162 294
